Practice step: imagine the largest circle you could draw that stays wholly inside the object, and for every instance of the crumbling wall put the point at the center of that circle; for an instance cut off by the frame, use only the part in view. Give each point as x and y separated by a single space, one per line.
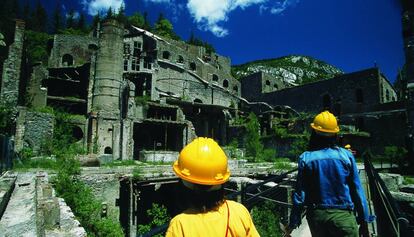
32 129
36 94
9 93
80 48
348 93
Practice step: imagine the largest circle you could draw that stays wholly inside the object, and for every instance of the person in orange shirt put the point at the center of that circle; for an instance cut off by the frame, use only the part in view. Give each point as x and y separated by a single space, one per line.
202 167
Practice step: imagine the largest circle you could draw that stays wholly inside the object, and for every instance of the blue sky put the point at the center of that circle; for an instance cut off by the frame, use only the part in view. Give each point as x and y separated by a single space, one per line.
349 34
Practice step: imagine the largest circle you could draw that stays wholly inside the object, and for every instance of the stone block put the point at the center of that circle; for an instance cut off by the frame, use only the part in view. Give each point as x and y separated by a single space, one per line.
51 213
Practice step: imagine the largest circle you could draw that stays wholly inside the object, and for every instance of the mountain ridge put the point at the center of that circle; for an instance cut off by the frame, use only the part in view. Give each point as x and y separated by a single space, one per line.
292 69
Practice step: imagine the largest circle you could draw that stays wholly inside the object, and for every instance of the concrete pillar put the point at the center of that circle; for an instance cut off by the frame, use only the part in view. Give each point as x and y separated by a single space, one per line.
9 93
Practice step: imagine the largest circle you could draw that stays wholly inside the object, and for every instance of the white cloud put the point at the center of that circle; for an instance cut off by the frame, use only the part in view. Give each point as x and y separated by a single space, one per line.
210 15
158 1
98 6
282 6
76 15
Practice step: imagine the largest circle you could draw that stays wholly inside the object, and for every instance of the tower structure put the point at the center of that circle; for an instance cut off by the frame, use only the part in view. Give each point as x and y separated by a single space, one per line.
109 69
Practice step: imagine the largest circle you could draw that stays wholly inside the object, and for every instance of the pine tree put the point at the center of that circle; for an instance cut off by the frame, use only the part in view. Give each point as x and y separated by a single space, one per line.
120 16
163 27
109 13
96 19
137 20
57 23
70 19
81 25
147 25
39 18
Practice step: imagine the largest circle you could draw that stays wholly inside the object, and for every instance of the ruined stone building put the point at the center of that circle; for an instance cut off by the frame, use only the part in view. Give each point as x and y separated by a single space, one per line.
141 96
138 93
363 99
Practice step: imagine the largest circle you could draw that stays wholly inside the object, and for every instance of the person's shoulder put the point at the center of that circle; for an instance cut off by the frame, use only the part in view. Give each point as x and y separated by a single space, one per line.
235 205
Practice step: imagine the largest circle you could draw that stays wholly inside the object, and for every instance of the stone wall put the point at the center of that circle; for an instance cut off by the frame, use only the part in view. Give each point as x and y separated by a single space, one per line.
354 92
32 129
258 83
79 48
10 78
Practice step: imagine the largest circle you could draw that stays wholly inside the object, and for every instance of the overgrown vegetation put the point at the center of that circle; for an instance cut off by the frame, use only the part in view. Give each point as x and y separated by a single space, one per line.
266 219
6 120
158 216
299 145
77 195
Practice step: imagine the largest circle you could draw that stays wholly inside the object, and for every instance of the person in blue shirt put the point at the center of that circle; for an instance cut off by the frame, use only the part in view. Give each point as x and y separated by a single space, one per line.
328 186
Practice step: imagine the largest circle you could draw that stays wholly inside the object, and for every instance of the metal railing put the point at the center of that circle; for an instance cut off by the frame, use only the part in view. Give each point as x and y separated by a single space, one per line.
391 221
251 195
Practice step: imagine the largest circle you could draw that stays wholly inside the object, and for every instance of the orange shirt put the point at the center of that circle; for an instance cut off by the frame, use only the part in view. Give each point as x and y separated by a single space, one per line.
214 223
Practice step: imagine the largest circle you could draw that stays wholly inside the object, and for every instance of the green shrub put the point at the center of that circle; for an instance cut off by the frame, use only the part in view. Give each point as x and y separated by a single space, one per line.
299 145
158 216
266 219
6 120
268 155
253 145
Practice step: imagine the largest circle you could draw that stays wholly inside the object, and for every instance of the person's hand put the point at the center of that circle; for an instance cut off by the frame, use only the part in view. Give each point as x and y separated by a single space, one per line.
363 230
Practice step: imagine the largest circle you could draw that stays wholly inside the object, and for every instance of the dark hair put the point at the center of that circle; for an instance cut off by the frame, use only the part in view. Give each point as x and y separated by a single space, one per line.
201 200
318 141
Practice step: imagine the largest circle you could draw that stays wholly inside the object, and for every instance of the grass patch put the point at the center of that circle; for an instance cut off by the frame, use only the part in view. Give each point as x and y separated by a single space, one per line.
408 180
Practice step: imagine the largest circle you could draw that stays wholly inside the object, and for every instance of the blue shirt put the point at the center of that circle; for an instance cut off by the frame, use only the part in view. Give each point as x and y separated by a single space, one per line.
328 178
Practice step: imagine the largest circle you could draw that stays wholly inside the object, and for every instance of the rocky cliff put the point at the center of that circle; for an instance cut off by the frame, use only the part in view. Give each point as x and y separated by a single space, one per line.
294 70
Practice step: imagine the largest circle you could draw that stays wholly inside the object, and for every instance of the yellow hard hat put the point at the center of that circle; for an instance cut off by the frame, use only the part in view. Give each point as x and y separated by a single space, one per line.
347 146
325 123
202 162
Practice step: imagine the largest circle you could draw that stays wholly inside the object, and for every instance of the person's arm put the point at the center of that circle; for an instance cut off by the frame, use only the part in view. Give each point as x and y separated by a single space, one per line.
358 195
298 198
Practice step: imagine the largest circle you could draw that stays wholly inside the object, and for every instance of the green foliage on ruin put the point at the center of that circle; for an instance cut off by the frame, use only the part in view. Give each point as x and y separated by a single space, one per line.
396 155
266 219
158 215
36 44
80 198
164 28
252 138
6 120
299 145
142 100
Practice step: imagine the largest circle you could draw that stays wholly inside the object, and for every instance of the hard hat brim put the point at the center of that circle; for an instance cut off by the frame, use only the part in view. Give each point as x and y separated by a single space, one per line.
320 129
196 180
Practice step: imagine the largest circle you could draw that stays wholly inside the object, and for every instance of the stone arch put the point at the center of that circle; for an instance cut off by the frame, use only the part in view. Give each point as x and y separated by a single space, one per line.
267 83
93 47
215 77
193 66
67 60
180 59
198 101
235 88
166 55
225 83
77 133
108 150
